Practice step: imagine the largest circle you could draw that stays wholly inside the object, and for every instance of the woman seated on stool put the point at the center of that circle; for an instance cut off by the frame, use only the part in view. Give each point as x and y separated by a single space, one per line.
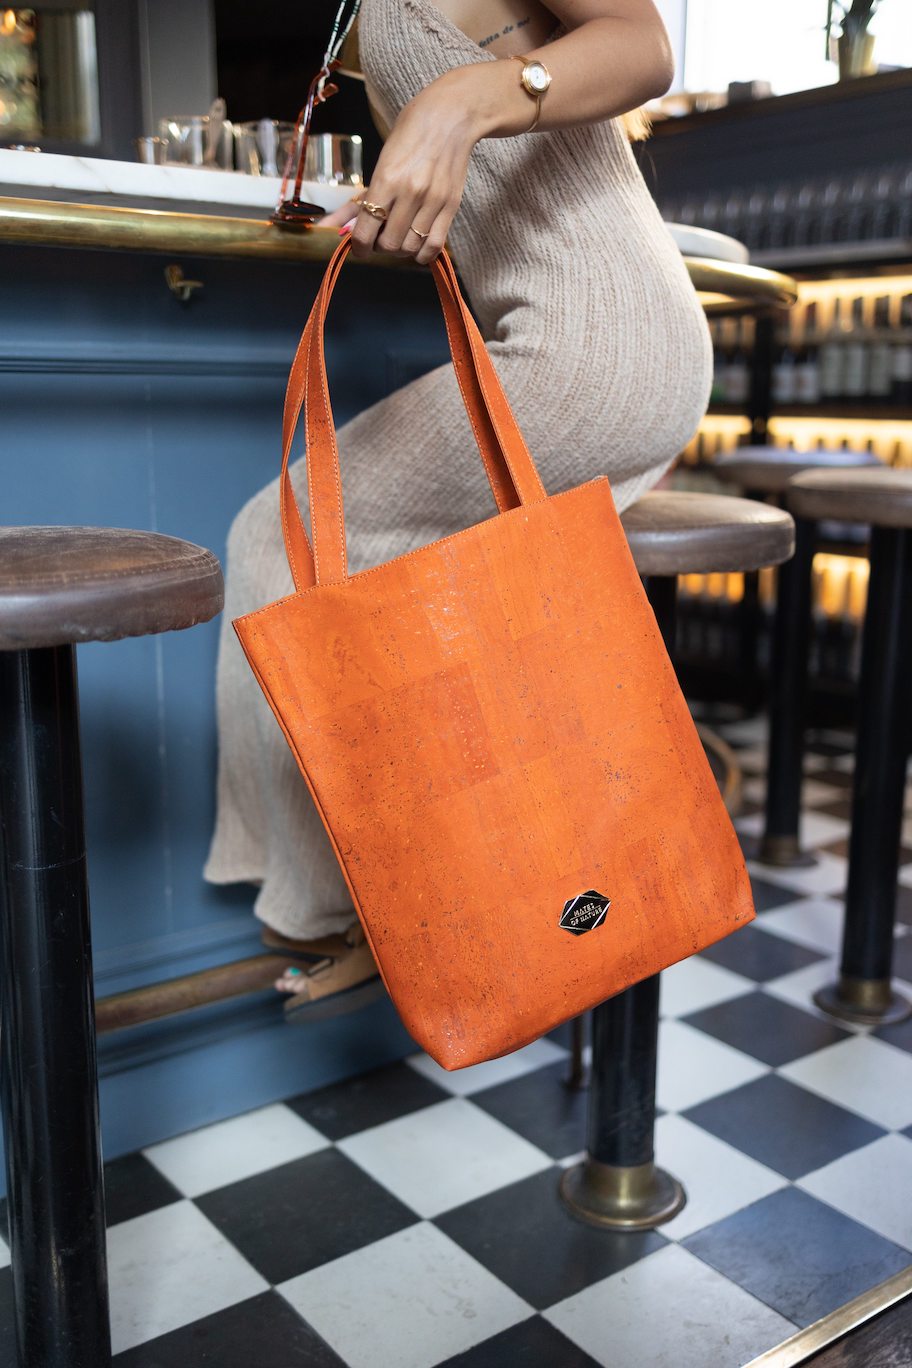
591 320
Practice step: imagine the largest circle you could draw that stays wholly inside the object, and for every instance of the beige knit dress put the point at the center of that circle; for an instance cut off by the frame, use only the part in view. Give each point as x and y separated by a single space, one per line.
603 352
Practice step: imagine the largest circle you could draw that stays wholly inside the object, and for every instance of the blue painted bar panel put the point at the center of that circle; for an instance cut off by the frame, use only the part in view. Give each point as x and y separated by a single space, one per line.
121 407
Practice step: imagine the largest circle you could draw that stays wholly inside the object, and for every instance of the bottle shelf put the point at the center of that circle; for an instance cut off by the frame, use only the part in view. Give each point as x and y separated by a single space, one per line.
866 412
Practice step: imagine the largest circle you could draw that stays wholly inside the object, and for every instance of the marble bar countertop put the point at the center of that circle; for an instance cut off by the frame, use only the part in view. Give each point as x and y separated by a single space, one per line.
93 180
49 175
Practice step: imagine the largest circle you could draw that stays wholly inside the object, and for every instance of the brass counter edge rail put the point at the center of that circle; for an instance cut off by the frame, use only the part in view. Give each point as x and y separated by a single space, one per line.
810 1341
52 223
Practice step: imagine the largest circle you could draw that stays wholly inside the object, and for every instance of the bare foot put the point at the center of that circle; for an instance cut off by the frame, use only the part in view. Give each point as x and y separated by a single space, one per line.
292 980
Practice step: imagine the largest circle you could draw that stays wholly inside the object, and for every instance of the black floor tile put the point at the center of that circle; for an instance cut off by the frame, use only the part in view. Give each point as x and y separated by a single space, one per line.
839 807
302 1214
783 1126
526 1237
766 1028
760 955
134 1186
835 778
902 957
899 1035
369 1100
539 1107
534 1343
904 905
797 1255
817 746
263 1332
768 896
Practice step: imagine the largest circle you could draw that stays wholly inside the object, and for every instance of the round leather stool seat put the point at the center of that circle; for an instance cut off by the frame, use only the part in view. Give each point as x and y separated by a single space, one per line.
65 585
767 469
677 533
879 498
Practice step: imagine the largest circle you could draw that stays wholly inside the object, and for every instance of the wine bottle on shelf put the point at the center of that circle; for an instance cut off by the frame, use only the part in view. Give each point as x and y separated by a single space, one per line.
856 356
737 371
832 357
880 356
784 371
902 355
807 367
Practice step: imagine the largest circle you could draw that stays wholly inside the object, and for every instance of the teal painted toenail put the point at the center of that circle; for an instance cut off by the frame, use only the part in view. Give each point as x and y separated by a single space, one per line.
294 971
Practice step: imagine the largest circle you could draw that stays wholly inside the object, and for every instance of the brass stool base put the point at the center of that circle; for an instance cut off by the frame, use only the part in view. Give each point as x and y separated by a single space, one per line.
863 1002
634 1198
784 852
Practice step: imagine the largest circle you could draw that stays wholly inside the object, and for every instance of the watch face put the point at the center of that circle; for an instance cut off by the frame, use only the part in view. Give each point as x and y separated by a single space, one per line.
537 77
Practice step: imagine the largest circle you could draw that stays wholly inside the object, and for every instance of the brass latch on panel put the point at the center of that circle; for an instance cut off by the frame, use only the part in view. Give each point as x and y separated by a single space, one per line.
181 288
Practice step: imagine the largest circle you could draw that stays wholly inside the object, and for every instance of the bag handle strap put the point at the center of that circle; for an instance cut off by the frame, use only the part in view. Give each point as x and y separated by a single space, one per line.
510 469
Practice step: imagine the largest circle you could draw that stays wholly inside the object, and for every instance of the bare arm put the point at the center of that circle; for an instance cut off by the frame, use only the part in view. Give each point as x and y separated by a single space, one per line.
615 56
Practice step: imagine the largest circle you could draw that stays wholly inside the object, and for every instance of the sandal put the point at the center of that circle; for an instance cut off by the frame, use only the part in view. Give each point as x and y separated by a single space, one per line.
341 973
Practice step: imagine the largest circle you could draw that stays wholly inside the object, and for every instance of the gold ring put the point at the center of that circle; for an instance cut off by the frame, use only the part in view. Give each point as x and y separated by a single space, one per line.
376 210
418 231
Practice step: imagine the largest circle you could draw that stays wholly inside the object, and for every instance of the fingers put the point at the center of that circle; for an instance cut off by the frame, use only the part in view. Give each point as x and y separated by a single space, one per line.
339 216
433 244
413 227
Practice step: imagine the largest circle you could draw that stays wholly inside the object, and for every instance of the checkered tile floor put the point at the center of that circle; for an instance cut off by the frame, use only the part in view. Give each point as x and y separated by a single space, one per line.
410 1217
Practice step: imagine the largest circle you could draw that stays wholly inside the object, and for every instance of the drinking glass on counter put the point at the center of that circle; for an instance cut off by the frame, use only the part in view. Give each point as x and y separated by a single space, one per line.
263 147
198 140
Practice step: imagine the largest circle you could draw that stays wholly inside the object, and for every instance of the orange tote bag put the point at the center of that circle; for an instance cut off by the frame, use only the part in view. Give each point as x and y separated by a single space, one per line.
493 735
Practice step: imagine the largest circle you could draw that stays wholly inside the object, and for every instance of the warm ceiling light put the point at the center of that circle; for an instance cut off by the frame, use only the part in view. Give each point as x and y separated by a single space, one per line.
8 23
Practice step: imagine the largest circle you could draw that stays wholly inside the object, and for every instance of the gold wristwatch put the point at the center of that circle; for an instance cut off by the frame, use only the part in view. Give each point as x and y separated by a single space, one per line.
534 79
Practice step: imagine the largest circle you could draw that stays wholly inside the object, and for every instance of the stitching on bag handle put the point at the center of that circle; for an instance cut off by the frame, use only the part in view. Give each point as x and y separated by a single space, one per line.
492 479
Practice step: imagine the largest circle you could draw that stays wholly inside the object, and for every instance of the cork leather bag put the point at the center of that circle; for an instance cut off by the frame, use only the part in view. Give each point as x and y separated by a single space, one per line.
493 735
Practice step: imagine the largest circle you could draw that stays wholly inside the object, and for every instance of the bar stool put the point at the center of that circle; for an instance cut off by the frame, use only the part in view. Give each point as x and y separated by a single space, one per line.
881 499
763 472
60 586
618 1185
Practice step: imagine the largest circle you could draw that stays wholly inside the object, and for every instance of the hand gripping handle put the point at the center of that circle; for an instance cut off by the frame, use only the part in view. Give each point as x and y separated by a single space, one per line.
510 469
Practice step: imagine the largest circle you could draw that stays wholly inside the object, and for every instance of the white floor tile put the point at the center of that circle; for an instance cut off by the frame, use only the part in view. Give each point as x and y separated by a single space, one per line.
443 1155
717 1178
872 1185
463 1082
813 793
695 983
826 877
694 1067
905 876
168 1268
750 826
813 922
750 731
752 759
4 1254
866 1075
669 1310
800 987
231 1150
819 828
408 1301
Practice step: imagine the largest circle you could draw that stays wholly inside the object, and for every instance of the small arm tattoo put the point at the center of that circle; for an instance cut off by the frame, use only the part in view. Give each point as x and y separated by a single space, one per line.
507 28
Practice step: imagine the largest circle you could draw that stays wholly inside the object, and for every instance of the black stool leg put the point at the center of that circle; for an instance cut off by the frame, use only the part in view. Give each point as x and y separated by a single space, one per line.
863 993
788 702
48 1081
618 1184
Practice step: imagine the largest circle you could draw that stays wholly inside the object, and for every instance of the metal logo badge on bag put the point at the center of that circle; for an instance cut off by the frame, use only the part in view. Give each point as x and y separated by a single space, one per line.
584 912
